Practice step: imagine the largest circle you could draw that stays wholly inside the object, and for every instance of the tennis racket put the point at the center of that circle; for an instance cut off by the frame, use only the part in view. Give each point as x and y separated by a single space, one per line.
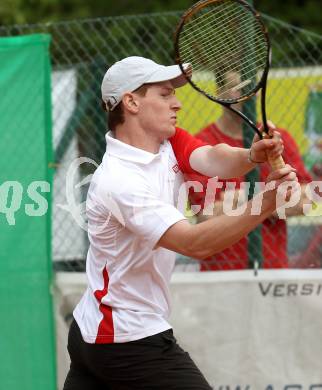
225 41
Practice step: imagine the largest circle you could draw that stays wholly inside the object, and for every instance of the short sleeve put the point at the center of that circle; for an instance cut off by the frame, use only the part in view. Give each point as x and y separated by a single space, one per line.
183 144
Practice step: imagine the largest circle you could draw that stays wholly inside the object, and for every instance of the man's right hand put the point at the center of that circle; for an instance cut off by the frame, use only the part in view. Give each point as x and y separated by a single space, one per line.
276 184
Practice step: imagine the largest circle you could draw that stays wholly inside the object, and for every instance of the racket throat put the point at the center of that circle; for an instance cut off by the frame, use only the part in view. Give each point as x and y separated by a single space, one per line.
263 108
244 117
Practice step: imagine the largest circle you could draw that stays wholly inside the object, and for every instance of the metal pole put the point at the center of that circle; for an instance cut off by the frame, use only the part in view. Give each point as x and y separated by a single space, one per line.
255 244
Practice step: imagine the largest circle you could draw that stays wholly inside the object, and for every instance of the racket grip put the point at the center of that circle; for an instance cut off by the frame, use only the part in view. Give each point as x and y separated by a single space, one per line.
276 163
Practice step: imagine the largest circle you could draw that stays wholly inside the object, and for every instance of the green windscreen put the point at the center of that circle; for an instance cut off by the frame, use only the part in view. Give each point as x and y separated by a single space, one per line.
27 358
313 131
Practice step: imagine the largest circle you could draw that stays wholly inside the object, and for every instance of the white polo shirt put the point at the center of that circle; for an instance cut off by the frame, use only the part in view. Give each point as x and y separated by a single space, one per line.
130 204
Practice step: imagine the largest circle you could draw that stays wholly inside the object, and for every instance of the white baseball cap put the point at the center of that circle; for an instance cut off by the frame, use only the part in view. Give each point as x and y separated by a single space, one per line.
130 73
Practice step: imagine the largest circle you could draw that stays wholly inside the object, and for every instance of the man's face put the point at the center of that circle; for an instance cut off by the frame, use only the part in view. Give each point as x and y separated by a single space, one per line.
158 110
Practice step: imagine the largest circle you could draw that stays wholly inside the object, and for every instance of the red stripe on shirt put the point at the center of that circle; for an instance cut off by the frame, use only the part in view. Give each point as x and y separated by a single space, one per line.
105 333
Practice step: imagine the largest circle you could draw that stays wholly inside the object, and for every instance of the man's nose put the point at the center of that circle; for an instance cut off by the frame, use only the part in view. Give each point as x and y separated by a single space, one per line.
176 104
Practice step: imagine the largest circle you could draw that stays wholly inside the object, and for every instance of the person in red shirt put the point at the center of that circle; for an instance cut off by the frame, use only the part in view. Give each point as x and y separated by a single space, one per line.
229 129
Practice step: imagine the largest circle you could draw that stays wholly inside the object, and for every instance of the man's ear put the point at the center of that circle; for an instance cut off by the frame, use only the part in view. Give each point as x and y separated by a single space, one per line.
130 102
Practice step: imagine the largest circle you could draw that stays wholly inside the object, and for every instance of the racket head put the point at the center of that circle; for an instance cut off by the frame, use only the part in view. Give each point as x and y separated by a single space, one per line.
228 47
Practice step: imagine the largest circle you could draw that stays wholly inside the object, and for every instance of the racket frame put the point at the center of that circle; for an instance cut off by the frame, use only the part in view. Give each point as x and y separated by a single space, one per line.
261 85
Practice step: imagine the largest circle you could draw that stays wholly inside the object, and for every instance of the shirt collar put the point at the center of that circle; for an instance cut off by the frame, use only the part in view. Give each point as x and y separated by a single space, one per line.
124 151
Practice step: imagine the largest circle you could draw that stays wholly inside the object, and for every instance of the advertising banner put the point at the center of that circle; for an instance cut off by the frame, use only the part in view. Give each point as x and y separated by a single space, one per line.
251 332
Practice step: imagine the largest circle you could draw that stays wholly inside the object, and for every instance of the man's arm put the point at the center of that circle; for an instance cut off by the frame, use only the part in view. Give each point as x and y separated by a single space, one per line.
291 211
206 238
208 160
293 157
298 209
216 207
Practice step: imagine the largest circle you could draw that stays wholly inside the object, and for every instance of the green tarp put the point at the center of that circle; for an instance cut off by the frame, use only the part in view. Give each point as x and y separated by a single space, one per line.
27 353
313 130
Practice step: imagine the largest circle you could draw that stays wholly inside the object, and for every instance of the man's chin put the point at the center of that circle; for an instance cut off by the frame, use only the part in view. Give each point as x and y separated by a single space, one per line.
168 132
172 131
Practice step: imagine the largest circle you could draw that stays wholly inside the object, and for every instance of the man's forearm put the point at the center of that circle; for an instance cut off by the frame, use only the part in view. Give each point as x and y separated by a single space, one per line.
236 165
298 208
220 232
212 236
209 161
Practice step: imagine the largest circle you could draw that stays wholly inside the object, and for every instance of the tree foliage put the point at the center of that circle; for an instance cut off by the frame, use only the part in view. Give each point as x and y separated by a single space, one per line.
302 13
305 14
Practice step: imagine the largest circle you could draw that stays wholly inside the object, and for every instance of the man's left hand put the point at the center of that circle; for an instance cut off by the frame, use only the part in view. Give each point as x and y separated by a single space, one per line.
261 148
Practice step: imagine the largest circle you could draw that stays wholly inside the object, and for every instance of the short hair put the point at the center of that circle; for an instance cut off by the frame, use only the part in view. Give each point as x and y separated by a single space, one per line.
116 116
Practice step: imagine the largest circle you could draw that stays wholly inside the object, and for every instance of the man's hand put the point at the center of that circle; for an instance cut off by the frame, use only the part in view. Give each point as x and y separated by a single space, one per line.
260 149
278 180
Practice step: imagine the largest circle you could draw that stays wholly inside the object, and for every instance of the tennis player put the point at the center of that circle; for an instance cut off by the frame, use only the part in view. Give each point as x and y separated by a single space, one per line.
121 338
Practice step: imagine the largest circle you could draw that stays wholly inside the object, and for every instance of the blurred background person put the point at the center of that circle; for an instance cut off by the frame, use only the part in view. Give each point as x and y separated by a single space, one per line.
229 129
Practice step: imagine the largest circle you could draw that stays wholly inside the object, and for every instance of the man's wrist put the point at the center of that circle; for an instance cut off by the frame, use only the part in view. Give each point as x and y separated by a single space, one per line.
269 203
250 159
264 203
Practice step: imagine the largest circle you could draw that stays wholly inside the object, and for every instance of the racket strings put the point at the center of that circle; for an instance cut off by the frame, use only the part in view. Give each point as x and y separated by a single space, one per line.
212 20
226 55
220 66
207 16
197 30
211 50
220 19
221 39
209 47
229 65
